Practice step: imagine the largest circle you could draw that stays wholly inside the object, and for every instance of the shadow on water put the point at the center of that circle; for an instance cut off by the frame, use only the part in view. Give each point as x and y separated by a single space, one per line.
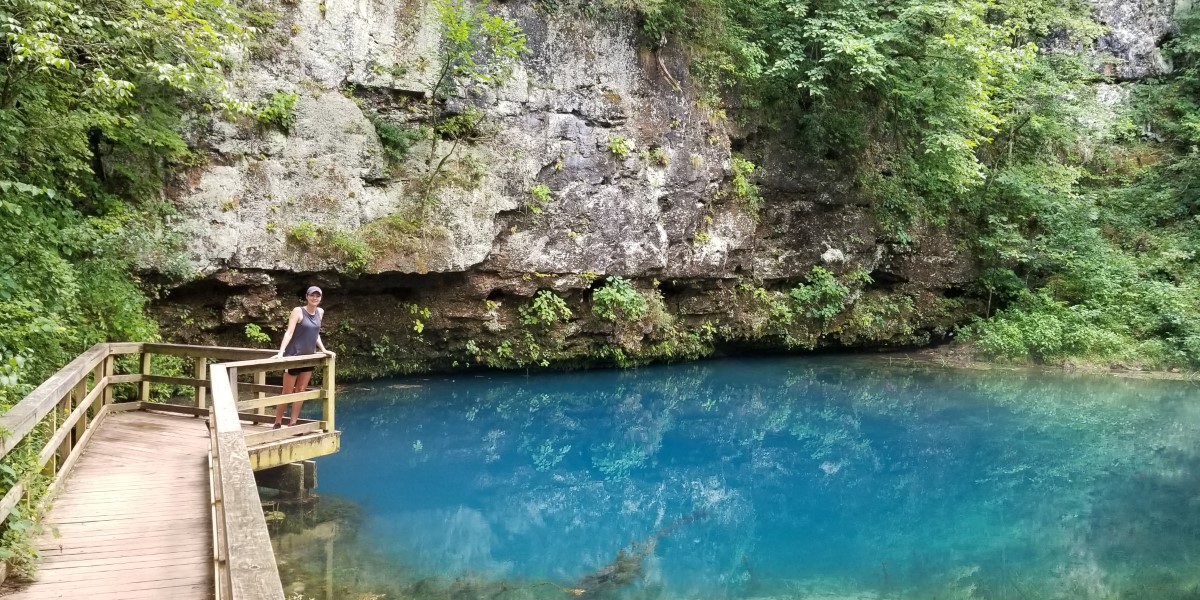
822 479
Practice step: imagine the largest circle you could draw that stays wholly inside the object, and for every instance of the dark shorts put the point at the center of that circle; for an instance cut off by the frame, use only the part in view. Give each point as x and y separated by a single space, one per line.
299 370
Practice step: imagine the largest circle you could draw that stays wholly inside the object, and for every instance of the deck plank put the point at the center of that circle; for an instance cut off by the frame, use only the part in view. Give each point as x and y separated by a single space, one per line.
133 518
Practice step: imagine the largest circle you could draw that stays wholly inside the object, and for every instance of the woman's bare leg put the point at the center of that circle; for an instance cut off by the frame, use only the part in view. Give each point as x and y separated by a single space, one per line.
301 385
289 386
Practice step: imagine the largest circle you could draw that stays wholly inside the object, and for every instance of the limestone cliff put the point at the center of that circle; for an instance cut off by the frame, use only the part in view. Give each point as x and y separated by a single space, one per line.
1129 49
416 281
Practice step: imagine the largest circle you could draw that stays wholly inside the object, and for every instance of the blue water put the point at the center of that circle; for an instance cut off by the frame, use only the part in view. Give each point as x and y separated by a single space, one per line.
764 478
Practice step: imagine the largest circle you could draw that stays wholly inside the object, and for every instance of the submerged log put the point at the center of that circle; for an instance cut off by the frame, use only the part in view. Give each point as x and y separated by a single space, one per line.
627 567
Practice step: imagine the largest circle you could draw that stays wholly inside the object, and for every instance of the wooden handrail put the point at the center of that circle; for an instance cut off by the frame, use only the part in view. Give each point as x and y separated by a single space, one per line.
78 397
209 352
328 382
245 564
19 420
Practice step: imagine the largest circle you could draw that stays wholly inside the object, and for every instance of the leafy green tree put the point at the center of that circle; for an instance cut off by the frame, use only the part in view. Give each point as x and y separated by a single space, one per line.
477 49
952 113
1086 241
909 88
91 100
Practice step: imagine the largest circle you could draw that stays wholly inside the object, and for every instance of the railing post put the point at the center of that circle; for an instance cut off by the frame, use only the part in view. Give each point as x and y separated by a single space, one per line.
107 370
65 406
260 378
233 384
81 425
52 466
328 383
97 377
144 386
200 371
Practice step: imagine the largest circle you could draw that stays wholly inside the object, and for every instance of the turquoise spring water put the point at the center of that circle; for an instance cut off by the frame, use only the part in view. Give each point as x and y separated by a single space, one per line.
818 478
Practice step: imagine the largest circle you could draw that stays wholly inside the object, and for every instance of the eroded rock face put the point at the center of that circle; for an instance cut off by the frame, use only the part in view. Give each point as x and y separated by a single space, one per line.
1136 29
449 272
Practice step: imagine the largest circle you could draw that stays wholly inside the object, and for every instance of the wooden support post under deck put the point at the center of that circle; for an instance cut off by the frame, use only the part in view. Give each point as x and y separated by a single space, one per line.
200 371
287 478
144 386
328 383
329 564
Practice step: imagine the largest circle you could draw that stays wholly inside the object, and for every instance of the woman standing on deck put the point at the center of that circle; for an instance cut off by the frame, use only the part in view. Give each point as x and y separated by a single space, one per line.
303 337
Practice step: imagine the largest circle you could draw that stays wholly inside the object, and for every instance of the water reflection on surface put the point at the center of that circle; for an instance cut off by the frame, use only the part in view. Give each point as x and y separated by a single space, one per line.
763 478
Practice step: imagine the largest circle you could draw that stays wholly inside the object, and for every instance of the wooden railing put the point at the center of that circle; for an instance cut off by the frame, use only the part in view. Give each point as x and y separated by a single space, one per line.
245 566
71 404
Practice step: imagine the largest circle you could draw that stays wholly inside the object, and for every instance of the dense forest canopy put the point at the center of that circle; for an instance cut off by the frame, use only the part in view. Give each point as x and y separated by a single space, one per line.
982 116
92 102
977 116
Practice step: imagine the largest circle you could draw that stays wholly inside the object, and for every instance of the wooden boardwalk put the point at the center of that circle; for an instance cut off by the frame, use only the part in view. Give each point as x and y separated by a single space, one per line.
151 500
134 518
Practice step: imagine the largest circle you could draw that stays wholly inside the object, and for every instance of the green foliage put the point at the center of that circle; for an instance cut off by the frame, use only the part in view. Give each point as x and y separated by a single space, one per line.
396 139
823 297
910 89
20 465
279 111
546 308
659 157
10 379
541 197
89 117
305 233
255 334
1045 329
617 300
952 115
620 146
478 49
1087 237
745 190
353 252
779 310
1090 276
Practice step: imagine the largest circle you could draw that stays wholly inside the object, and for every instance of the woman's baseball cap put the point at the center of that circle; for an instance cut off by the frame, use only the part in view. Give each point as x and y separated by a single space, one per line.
312 289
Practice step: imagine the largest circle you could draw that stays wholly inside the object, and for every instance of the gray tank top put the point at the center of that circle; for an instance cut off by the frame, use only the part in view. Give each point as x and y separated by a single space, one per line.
304 338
